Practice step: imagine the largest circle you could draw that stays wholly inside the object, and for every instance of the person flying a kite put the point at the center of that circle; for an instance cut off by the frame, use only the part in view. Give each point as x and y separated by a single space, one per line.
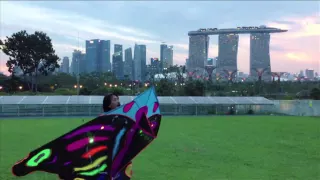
110 102
100 149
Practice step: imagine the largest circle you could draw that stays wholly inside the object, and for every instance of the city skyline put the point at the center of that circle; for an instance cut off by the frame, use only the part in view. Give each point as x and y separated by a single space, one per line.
62 21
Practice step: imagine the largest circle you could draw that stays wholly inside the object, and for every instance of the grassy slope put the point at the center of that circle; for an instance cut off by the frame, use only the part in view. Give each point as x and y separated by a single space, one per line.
229 147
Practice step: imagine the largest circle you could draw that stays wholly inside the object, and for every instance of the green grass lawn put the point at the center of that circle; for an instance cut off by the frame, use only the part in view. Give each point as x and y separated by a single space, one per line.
193 148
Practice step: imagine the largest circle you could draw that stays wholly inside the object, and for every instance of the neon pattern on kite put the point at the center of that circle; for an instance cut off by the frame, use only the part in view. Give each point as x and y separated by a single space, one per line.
117 143
100 148
93 151
38 158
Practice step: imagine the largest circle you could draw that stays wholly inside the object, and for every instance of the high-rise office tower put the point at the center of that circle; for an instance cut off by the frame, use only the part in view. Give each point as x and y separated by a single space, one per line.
83 68
198 51
260 56
105 53
128 64
154 66
98 55
167 57
162 49
301 74
117 62
78 63
140 64
65 65
227 54
310 73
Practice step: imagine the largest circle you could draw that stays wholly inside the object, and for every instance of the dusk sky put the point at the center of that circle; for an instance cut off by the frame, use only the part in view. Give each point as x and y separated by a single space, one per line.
151 23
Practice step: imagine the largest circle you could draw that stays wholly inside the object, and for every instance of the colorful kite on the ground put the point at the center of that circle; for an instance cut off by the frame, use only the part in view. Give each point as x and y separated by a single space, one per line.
101 148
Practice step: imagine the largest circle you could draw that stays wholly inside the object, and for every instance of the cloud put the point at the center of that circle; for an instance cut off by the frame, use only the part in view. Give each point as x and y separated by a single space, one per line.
299 26
68 23
284 22
301 44
3 60
71 27
292 51
299 47
66 48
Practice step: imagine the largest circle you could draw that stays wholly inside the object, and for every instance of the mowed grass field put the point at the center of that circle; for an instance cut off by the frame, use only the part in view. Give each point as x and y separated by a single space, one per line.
193 148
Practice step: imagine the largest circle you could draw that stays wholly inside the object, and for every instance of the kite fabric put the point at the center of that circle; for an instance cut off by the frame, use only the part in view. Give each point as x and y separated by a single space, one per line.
100 148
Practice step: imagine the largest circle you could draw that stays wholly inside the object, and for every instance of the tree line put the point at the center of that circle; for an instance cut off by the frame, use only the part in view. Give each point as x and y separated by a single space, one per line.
36 57
102 83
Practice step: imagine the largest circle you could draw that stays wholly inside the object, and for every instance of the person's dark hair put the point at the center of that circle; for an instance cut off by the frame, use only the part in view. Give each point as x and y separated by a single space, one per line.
107 101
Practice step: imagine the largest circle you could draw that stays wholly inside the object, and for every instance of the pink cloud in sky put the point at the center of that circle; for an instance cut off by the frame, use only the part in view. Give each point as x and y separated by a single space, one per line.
292 51
300 45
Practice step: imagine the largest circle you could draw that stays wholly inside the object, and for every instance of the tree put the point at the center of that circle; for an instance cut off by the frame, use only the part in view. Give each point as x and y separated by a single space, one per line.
165 88
32 53
315 94
1 44
194 88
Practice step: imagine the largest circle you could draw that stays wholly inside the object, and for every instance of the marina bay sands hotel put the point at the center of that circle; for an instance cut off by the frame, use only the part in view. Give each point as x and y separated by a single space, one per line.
228 49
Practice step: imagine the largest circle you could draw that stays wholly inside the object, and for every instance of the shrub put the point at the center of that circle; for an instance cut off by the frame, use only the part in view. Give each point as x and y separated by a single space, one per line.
65 91
100 91
250 111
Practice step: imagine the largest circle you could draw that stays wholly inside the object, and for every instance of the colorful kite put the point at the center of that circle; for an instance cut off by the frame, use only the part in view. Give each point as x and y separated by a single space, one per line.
101 148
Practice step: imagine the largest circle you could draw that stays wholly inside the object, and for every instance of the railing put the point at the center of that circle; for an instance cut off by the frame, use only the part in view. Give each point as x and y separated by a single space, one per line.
290 107
298 107
94 110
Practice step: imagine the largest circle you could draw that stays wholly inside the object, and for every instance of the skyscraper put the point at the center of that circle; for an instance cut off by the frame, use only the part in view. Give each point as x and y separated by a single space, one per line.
301 73
310 73
162 48
260 56
227 54
198 51
140 64
105 54
128 64
82 63
117 62
167 57
78 63
65 65
98 55
154 66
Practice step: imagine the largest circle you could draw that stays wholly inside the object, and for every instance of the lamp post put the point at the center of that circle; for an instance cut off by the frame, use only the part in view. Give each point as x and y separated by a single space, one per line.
78 75
78 86
78 69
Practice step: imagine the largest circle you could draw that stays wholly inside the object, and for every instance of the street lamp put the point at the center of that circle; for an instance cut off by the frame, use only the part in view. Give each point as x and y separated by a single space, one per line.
76 86
20 87
1 87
